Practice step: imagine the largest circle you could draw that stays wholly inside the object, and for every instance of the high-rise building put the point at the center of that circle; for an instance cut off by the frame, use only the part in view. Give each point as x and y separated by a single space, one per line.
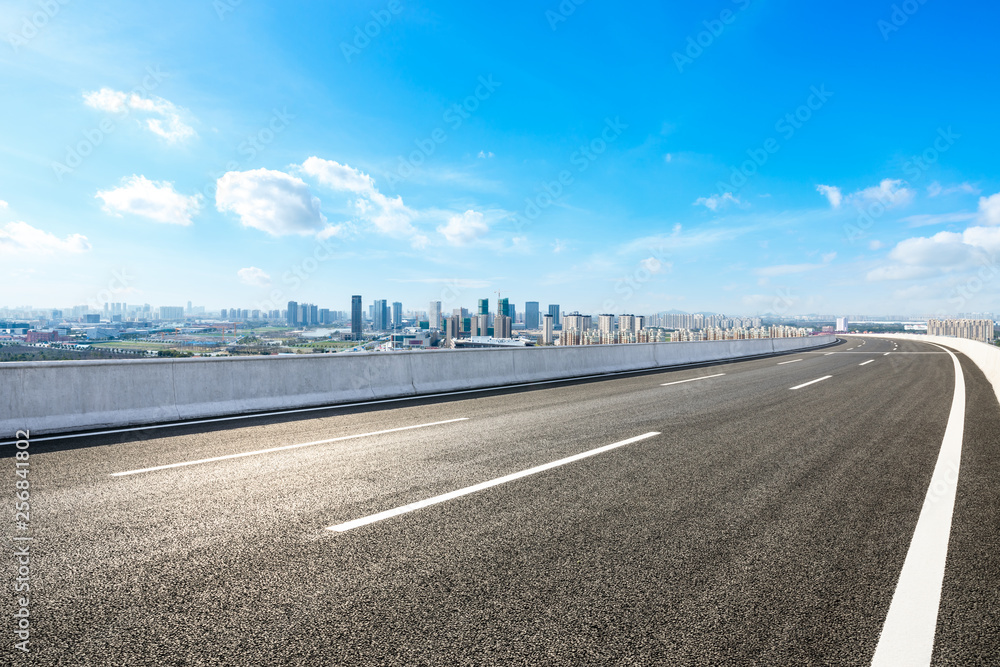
484 307
397 315
981 330
293 313
171 312
605 323
452 325
842 324
547 329
554 312
502 327
531 315
356 317
434 315
503 308
380 321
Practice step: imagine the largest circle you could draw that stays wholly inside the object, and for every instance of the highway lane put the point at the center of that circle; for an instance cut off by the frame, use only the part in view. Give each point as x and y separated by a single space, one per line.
763 524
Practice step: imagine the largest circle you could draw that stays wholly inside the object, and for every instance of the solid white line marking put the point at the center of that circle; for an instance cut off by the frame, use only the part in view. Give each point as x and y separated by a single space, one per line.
285 447
908 634
866 362
372 518
782 363
829 353
806 384
667 384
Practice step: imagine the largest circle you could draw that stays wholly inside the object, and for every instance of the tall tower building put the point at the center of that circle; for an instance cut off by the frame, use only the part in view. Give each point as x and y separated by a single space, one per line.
381 315
554 312
484 307
531 315
356 317
605 323
547 330
293 313
434 315
397 315
502 327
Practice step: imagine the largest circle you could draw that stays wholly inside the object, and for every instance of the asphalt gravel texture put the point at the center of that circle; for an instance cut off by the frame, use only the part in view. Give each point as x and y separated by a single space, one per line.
762 526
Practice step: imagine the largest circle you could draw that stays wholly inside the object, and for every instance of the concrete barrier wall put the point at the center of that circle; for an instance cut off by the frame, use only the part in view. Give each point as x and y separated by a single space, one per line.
986 356
58 396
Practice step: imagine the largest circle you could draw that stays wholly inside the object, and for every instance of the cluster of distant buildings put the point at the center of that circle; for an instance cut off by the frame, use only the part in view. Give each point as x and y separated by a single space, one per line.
981 330
389 327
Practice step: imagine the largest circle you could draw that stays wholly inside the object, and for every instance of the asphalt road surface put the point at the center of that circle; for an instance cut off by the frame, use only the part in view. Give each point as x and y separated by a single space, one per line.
754 524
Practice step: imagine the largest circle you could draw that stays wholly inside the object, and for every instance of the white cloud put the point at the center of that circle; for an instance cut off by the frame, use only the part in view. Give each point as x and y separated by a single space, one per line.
271 201
655 266
891 193
945 252
715 202
483 155
465 228
21 241
3 204
156 200
559 246
107 99
832 193
254 276
989 209
935 189
166 122
874 244
389 215
789 269
927 219
338 176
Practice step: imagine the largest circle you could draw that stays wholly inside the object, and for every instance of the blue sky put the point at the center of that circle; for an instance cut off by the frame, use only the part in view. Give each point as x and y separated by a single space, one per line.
744 156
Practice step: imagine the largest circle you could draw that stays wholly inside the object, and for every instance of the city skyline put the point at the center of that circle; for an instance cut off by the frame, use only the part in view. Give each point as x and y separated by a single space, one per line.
701 163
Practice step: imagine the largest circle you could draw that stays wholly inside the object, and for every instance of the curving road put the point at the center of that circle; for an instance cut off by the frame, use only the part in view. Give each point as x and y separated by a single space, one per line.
757 512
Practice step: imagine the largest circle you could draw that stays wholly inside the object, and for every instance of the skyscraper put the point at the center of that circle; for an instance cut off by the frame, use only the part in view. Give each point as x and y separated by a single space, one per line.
356 317
503 308
484 307
547 330
397 315
293 313
380 319
531 315
554 312
434 315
